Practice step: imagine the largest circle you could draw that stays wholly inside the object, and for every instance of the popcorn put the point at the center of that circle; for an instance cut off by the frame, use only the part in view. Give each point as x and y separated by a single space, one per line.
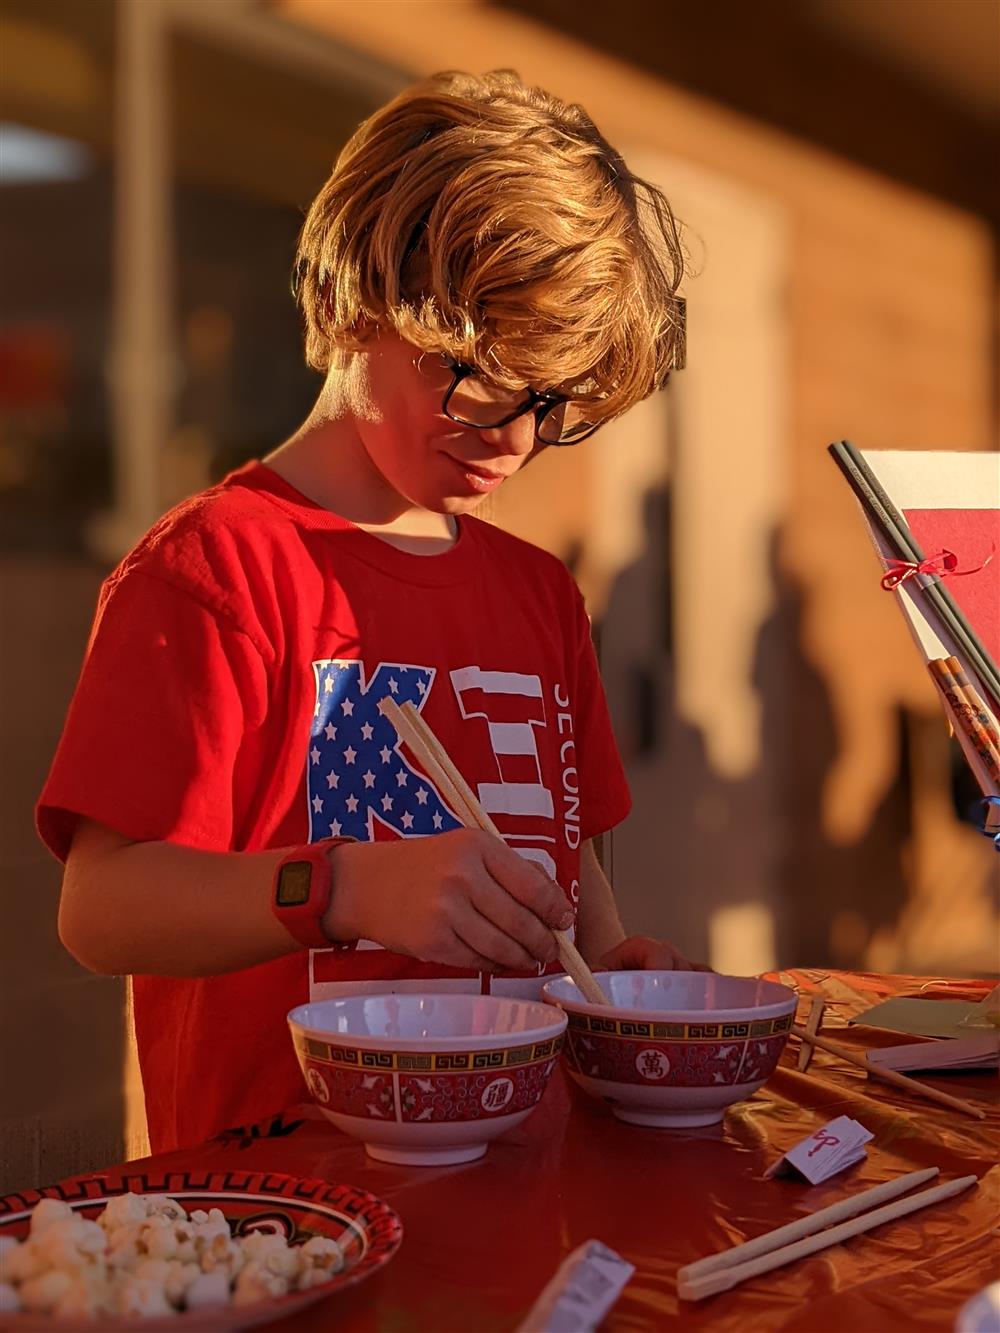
208 1291
70 1243
323 1255
124 1208
85 1298
141 1296
179 1280
23 1263
312 1277
161 1205
271 1252
46 1212
145 1256
224 1255
123 1245
258 1283
154 1270
41 1294
258 1244
157 1237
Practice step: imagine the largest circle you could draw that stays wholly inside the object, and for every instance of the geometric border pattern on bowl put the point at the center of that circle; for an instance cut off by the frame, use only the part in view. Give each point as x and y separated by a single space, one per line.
428 1062
645 1031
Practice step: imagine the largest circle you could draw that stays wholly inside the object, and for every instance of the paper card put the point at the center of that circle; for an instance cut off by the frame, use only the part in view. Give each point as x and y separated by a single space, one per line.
920 1017
831 1149
986 1012
585 1287
951 501
979 1052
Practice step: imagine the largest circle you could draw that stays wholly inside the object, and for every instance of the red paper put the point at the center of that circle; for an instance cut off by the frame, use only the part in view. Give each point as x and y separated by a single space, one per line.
971 534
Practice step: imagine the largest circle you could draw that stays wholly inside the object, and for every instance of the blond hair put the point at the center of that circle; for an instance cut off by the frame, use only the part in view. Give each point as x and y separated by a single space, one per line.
493 222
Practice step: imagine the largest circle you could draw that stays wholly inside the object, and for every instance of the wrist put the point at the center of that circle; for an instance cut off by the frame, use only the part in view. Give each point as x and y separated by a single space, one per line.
343 921
302 894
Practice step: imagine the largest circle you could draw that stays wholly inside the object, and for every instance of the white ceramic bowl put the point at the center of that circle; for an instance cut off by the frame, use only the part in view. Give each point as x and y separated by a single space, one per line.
981 1314
426 1079
678 1047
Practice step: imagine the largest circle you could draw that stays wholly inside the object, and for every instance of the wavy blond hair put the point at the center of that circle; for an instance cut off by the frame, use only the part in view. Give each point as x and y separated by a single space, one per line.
491 221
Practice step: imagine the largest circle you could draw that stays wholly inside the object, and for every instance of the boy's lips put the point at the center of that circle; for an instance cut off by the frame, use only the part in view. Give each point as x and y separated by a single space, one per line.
480 478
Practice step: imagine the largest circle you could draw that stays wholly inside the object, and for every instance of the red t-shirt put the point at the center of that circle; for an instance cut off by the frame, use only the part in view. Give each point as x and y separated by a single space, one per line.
228 702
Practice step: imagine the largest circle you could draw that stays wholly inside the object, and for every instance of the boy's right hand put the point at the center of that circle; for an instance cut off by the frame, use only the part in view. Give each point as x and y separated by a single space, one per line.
462 898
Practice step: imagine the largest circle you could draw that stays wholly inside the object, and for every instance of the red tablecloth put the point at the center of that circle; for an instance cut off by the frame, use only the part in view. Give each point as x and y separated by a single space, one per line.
481 1241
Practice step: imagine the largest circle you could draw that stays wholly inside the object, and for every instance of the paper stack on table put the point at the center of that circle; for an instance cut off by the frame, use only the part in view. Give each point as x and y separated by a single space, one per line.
920 1017
979 1052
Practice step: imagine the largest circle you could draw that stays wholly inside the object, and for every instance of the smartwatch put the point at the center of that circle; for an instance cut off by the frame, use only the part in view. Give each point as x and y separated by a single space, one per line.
303 886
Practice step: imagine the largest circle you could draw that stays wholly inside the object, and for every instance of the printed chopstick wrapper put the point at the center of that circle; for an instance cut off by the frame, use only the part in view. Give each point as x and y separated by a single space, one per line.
831 1149
583 1290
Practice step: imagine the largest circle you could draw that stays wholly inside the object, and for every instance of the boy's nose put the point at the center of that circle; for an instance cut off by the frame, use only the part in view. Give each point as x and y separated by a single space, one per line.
518 437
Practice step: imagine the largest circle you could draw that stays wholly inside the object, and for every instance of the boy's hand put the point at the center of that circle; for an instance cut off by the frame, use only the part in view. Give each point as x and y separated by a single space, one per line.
643 954
461 898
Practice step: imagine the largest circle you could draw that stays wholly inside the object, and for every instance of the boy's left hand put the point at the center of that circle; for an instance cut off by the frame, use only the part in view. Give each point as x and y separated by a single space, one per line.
643 954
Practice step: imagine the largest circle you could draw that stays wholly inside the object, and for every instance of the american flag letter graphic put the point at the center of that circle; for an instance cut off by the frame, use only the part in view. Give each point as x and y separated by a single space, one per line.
358 777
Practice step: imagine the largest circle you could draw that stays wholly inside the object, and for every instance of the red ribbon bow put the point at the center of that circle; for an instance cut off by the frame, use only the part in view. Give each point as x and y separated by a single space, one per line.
941 565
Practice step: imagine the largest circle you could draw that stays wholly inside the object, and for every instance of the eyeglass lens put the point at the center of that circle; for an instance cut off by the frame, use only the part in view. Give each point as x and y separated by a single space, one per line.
479 403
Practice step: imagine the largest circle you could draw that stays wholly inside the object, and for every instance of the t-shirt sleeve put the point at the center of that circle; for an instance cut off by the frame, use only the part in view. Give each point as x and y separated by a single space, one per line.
168 693
604 795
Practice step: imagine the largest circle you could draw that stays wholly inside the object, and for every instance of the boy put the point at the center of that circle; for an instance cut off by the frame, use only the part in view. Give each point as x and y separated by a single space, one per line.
240 827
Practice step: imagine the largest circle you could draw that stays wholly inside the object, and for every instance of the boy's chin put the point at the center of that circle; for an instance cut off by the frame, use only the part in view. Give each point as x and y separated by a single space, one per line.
459 504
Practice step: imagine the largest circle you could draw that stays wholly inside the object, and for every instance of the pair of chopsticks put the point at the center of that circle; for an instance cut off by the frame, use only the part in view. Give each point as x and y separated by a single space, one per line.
894 528
911 1085
971 720
436 763
798 1239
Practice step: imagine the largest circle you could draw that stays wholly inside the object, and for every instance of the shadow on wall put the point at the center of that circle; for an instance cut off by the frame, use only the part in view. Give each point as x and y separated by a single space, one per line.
739 872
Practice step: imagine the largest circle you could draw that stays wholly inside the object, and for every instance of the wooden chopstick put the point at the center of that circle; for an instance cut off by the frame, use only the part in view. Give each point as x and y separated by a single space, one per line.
806 1226
708 1284
813 1024
971 718
425 746
911 1085
968 690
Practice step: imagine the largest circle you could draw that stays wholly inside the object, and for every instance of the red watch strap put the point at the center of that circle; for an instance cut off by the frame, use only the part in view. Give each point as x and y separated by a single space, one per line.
303 887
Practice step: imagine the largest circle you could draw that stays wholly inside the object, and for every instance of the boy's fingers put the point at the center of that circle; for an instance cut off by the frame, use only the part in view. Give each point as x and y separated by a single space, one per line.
462 955
528 884
487 940
492 901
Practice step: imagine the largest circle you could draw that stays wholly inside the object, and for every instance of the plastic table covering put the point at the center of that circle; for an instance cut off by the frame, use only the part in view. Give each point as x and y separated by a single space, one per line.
482 1240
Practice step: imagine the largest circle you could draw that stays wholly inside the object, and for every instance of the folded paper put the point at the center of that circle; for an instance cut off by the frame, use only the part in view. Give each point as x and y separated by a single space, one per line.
830 1150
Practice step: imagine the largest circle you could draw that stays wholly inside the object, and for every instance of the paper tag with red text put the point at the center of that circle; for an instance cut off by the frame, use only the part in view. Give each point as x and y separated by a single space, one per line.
833 1148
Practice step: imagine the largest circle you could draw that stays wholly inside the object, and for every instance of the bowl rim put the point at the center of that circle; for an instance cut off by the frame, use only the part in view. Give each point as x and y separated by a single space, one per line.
733 1014
485 1041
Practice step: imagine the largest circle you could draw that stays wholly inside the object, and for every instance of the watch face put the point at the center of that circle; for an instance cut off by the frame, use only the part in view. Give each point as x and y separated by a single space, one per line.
293 884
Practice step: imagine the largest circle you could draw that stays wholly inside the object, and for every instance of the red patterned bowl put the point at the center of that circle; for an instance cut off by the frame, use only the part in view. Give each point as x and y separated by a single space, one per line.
426 1080
677 1048
367 1230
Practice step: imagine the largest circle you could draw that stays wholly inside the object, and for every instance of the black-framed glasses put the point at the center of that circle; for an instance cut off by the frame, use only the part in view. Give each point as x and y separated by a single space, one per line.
469 400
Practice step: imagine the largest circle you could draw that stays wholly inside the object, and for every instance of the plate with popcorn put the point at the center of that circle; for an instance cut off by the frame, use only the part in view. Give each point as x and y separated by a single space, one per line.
209 1250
